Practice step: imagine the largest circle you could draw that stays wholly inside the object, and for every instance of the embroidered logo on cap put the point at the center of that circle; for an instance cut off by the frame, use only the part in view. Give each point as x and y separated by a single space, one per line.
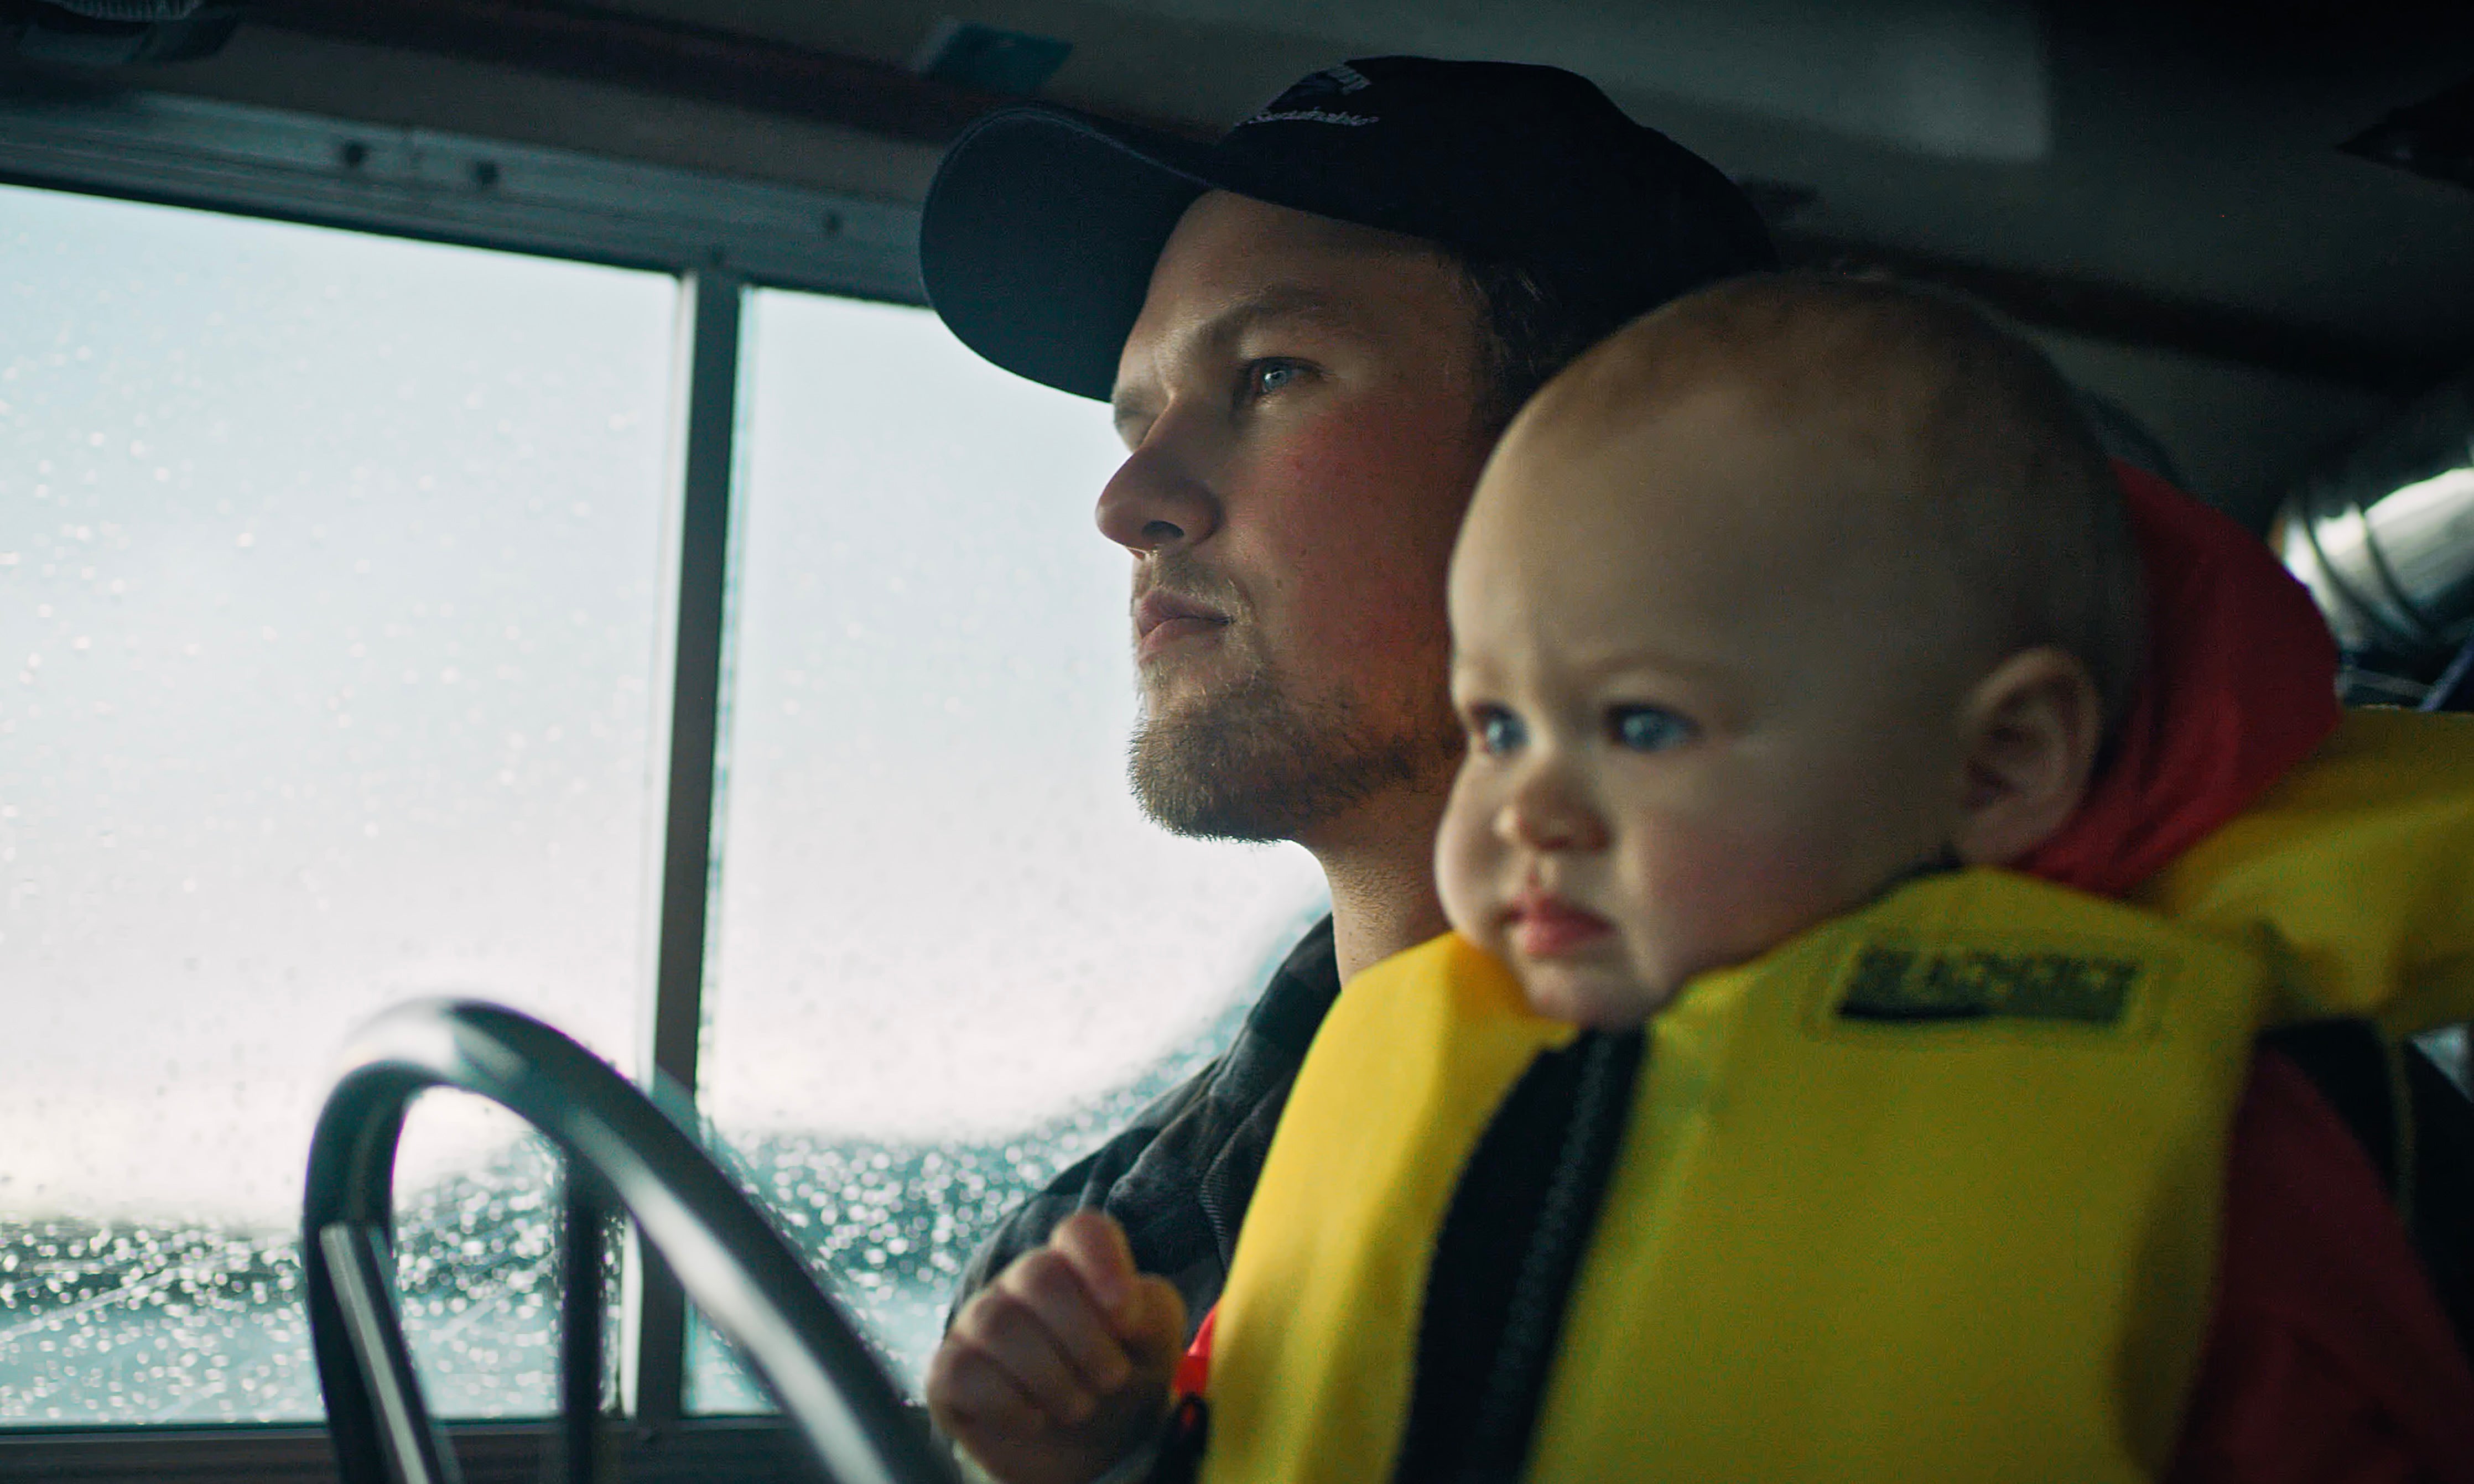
1344 77
1298 103
1310 116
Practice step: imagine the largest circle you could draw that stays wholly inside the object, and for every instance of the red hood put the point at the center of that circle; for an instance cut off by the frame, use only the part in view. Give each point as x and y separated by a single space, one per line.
2240 685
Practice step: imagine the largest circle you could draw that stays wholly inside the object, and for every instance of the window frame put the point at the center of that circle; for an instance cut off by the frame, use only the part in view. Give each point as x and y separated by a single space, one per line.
721 237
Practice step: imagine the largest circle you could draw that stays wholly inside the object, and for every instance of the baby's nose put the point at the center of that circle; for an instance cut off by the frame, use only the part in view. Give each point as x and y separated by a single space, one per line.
1546 812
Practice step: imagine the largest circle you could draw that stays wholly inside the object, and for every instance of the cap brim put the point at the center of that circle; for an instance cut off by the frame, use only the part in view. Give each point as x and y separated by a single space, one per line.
1039 233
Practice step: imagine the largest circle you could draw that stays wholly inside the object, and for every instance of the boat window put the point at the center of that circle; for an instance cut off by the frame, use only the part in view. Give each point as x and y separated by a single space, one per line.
330 585
335 587
950 953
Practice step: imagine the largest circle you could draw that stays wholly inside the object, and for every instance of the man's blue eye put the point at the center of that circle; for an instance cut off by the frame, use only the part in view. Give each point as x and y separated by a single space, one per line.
1648 728
1274 376
1499 732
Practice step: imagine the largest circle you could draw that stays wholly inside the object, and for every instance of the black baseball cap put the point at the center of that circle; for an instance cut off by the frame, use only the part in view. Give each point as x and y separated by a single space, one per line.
1040 229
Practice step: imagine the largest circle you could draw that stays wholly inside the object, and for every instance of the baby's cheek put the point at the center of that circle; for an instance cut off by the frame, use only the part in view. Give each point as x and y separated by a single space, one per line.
1726 895
1467 856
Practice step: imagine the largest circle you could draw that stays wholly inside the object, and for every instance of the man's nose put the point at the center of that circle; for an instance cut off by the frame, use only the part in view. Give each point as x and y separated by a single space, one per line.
1156 499
1545 811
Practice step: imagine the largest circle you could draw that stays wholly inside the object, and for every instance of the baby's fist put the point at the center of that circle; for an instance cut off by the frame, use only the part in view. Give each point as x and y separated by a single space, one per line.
1060 1368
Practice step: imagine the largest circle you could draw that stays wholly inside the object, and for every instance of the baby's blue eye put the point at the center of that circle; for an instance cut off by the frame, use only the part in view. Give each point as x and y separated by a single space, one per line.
1499 732
1648 728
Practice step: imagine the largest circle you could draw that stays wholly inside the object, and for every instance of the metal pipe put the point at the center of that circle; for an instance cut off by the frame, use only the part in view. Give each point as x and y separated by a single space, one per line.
2385 538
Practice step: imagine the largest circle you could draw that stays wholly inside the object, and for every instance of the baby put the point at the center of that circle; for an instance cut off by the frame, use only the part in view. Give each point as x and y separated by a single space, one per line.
1784 594
1788 593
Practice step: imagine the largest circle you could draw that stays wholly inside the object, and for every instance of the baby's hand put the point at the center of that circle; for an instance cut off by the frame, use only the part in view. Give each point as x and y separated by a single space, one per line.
1060 1368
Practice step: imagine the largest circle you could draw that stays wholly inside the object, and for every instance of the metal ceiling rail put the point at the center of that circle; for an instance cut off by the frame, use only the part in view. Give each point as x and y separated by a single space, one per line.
654 53
457 188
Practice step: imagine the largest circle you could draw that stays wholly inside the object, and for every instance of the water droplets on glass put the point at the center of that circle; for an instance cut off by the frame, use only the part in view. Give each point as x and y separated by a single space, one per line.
329 570
952 956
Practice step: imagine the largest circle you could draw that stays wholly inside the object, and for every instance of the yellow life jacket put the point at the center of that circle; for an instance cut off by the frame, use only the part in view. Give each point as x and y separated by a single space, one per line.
1848 1246
2359 866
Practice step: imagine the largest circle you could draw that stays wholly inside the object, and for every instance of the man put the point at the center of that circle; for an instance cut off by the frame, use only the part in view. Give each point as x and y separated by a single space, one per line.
1308 394
1311 333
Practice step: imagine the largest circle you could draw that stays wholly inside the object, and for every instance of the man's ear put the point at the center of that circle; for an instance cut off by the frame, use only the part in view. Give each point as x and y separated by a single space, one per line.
2032 730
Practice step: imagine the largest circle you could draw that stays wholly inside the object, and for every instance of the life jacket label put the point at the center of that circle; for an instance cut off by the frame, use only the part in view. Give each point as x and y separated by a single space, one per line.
1944 984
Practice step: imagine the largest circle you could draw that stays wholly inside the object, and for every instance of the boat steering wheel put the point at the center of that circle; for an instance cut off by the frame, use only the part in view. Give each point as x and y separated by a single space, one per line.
619 1148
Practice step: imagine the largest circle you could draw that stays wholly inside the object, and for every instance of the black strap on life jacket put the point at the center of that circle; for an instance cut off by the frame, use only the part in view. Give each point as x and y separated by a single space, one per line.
2443 1187
1511 1245
2417 1128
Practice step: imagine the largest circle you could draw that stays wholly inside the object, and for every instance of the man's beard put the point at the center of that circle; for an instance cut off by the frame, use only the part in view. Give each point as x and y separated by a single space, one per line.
1248 762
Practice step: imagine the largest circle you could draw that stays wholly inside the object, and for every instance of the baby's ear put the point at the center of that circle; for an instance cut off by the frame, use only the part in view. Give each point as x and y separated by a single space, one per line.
2032 730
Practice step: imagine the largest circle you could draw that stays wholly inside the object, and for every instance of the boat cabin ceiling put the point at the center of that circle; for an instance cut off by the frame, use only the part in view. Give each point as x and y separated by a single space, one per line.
2244 228
2248 225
